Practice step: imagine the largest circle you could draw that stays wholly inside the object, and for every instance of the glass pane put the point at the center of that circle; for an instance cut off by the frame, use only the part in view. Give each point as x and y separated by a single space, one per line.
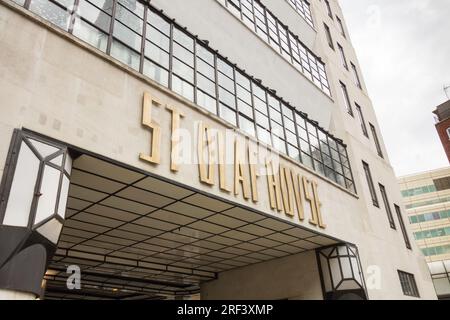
52 12
105 5
206 69
206 102
43 149
183 54
156 73
205 54
156 54
135 6
228 114
206 85
127 36
183 70
183 88
22 188
63 197
158 38
183 39
94 15
247 125
126 55
19 2
51 230
91 35
264 135
49 190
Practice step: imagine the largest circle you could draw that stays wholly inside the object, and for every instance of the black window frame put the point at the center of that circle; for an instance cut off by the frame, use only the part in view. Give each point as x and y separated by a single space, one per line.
376 140
356 75
370 184
330 12
387 206
362 120
328 35
341 26
402 226
342 55
346 97
408 284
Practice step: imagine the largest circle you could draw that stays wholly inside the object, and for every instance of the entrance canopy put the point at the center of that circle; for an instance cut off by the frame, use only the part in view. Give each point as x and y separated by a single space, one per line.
135 236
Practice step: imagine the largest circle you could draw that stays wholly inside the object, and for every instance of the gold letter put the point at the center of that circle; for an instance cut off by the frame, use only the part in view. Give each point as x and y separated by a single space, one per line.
175 138
274 187
287 190
298 197
239 172
154 156
310 199
222 162
317 205
254 172
206 176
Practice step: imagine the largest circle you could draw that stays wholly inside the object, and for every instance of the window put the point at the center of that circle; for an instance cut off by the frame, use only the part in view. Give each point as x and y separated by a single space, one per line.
419 190
52 12
328 34
387 206
375 138
273 31
342 55
341 26
361 120
408 283
155 45
303 8
330 14
373 193
444 214
346 99
435 251
356 76
402 226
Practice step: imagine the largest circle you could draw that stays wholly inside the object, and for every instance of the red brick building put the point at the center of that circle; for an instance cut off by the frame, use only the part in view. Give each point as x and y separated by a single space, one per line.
443 125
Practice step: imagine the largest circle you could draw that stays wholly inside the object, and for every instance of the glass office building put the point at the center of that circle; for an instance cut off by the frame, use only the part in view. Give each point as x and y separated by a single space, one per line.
427 199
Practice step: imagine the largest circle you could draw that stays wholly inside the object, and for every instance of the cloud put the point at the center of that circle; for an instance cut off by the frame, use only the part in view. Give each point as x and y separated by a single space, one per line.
404 50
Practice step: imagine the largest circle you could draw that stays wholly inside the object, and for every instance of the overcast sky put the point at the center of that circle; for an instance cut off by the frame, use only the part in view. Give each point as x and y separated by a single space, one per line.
403 47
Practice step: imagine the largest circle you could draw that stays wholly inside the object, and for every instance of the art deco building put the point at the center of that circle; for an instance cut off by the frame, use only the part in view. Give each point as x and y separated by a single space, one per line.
217 149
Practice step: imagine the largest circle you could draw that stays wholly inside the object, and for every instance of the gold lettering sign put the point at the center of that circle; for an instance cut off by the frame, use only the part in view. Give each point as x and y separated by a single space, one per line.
254 173
298 197
155 147
222 158
175 138
206 170
240 177
288 191
274 187
317 204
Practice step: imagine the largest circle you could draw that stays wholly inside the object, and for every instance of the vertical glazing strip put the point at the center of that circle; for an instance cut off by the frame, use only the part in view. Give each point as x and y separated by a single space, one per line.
236 98
171 54
195 68
300 157
111 28
73 15
144 37
216 85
